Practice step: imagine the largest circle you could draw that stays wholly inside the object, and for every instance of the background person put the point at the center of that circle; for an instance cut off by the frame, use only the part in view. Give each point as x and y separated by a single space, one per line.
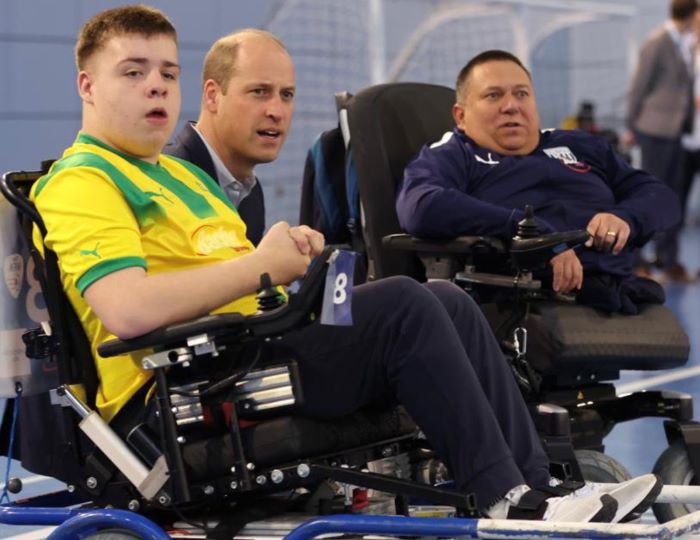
691 141
660 110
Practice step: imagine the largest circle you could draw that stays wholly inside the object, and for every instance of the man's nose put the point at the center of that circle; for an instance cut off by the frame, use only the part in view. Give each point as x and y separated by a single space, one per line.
157 86
158 90
275 108
509 105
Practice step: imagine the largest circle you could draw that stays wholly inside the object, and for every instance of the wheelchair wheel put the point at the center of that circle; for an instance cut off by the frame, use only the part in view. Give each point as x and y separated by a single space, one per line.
599 467
673 467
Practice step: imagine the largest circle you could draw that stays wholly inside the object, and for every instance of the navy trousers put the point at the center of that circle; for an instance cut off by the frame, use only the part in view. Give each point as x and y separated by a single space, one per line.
429 348
663 158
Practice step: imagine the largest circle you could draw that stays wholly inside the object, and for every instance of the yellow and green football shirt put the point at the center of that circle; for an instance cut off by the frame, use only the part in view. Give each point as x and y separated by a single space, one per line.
105 211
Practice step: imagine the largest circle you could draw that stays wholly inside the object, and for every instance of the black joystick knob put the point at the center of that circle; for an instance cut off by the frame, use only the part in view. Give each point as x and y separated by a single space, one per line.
268 297
527 227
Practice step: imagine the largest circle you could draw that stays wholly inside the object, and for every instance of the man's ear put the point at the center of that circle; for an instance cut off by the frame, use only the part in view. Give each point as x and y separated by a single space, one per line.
85 86
458 114
210 96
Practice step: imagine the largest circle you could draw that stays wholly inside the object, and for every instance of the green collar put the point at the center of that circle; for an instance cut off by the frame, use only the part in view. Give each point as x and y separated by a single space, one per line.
145 166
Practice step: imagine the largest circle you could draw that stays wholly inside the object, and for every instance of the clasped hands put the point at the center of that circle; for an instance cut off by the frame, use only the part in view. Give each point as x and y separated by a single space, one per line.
289 250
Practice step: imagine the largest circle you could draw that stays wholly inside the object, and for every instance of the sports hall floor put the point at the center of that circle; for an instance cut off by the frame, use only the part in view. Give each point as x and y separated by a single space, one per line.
636 444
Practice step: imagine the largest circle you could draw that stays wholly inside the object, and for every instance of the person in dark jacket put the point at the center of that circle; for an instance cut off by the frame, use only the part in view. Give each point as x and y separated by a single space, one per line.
246 109
478 178
660 110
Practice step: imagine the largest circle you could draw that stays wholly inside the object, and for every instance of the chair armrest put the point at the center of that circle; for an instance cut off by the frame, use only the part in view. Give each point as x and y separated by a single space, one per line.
457 245
212 325
526 253
231 327
442 258
532 253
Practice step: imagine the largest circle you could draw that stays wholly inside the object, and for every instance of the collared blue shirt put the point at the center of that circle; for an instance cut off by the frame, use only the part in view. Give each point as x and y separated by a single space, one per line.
235 189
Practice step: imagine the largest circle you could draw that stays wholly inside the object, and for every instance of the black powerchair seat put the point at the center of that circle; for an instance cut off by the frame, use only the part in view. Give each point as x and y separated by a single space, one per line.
570 344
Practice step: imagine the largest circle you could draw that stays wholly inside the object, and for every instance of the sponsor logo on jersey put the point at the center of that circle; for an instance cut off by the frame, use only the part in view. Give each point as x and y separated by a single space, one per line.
567 157
208 239
93 252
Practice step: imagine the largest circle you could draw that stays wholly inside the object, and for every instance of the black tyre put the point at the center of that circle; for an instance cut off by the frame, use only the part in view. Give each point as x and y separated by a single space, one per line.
113 534
599 467
673 467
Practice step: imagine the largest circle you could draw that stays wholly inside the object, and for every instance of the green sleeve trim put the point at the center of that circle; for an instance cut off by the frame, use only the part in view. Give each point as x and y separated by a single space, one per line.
103 268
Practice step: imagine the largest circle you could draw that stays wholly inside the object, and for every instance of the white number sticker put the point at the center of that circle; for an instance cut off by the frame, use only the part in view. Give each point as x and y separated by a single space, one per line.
339 292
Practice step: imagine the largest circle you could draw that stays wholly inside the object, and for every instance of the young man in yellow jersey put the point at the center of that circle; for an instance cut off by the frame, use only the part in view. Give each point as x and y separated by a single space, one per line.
145 240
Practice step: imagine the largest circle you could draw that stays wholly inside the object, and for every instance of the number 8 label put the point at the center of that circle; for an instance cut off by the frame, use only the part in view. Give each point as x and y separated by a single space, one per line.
339 290
337 293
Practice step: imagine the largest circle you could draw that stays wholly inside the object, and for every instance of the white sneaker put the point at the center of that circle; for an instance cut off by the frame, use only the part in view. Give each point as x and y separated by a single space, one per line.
521 502
633 496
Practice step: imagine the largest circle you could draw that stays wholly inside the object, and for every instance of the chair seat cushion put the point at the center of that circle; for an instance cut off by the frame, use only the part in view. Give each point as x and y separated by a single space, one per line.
566 338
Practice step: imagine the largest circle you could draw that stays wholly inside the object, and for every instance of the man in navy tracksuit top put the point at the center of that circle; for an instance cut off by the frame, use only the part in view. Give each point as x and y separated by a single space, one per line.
477 179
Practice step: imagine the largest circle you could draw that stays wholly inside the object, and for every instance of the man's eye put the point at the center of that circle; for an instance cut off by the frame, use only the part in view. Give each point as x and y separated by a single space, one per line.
288 95
133 73
259 91
170 75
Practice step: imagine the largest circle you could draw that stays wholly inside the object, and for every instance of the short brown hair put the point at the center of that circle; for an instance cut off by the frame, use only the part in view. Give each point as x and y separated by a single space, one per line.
135 19
682 10
494 55
220 61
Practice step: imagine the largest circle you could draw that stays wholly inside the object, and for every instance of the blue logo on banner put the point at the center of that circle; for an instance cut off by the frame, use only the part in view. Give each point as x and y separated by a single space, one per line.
337 295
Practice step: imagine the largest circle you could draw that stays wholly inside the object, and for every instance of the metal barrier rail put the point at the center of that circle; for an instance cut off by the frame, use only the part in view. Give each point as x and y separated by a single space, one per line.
491 528
74 523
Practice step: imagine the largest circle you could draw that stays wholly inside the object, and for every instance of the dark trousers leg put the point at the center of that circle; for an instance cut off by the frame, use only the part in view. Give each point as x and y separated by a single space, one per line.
404 346
497 381
664 159
691 166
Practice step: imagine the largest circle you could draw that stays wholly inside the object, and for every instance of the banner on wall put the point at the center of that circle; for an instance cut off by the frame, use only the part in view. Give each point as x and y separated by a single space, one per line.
22 308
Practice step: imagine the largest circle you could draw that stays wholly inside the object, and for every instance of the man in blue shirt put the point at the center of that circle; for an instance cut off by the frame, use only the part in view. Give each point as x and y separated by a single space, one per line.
477 179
